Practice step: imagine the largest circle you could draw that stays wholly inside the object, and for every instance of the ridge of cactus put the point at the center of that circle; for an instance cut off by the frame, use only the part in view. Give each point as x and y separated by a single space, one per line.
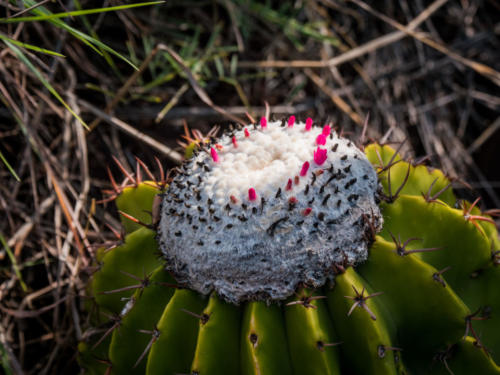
406 284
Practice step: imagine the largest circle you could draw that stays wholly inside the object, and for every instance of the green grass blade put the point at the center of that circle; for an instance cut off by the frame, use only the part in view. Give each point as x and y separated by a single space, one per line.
9 167
75 13
14 262
289 24
92 42
40 10
24 59
30 46
93 34
4 360
84 38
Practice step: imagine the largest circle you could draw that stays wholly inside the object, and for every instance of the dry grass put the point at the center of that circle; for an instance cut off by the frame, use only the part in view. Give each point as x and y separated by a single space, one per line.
427 72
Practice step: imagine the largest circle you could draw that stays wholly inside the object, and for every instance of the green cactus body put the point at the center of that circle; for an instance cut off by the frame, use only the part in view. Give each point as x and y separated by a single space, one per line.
307 345
426 301
373 324
264 346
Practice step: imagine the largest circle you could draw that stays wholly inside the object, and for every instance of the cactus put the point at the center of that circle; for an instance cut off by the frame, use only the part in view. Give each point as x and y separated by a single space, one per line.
377 268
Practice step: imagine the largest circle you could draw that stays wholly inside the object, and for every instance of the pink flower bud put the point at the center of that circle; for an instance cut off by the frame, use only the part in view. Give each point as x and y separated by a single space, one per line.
309 123
305 168
215 156
252 195
326 130
320 156
321 139
307 211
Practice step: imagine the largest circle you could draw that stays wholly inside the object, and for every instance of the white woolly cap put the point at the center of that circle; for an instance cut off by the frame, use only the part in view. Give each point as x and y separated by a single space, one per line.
268 208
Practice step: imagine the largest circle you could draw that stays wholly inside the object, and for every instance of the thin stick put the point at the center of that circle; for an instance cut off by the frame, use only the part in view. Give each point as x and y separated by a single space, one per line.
484 70
337 100
123 126
485 135
354 53
196 86
126 86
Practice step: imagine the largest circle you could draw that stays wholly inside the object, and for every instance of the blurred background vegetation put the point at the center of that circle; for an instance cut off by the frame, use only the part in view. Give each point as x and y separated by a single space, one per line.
83 81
